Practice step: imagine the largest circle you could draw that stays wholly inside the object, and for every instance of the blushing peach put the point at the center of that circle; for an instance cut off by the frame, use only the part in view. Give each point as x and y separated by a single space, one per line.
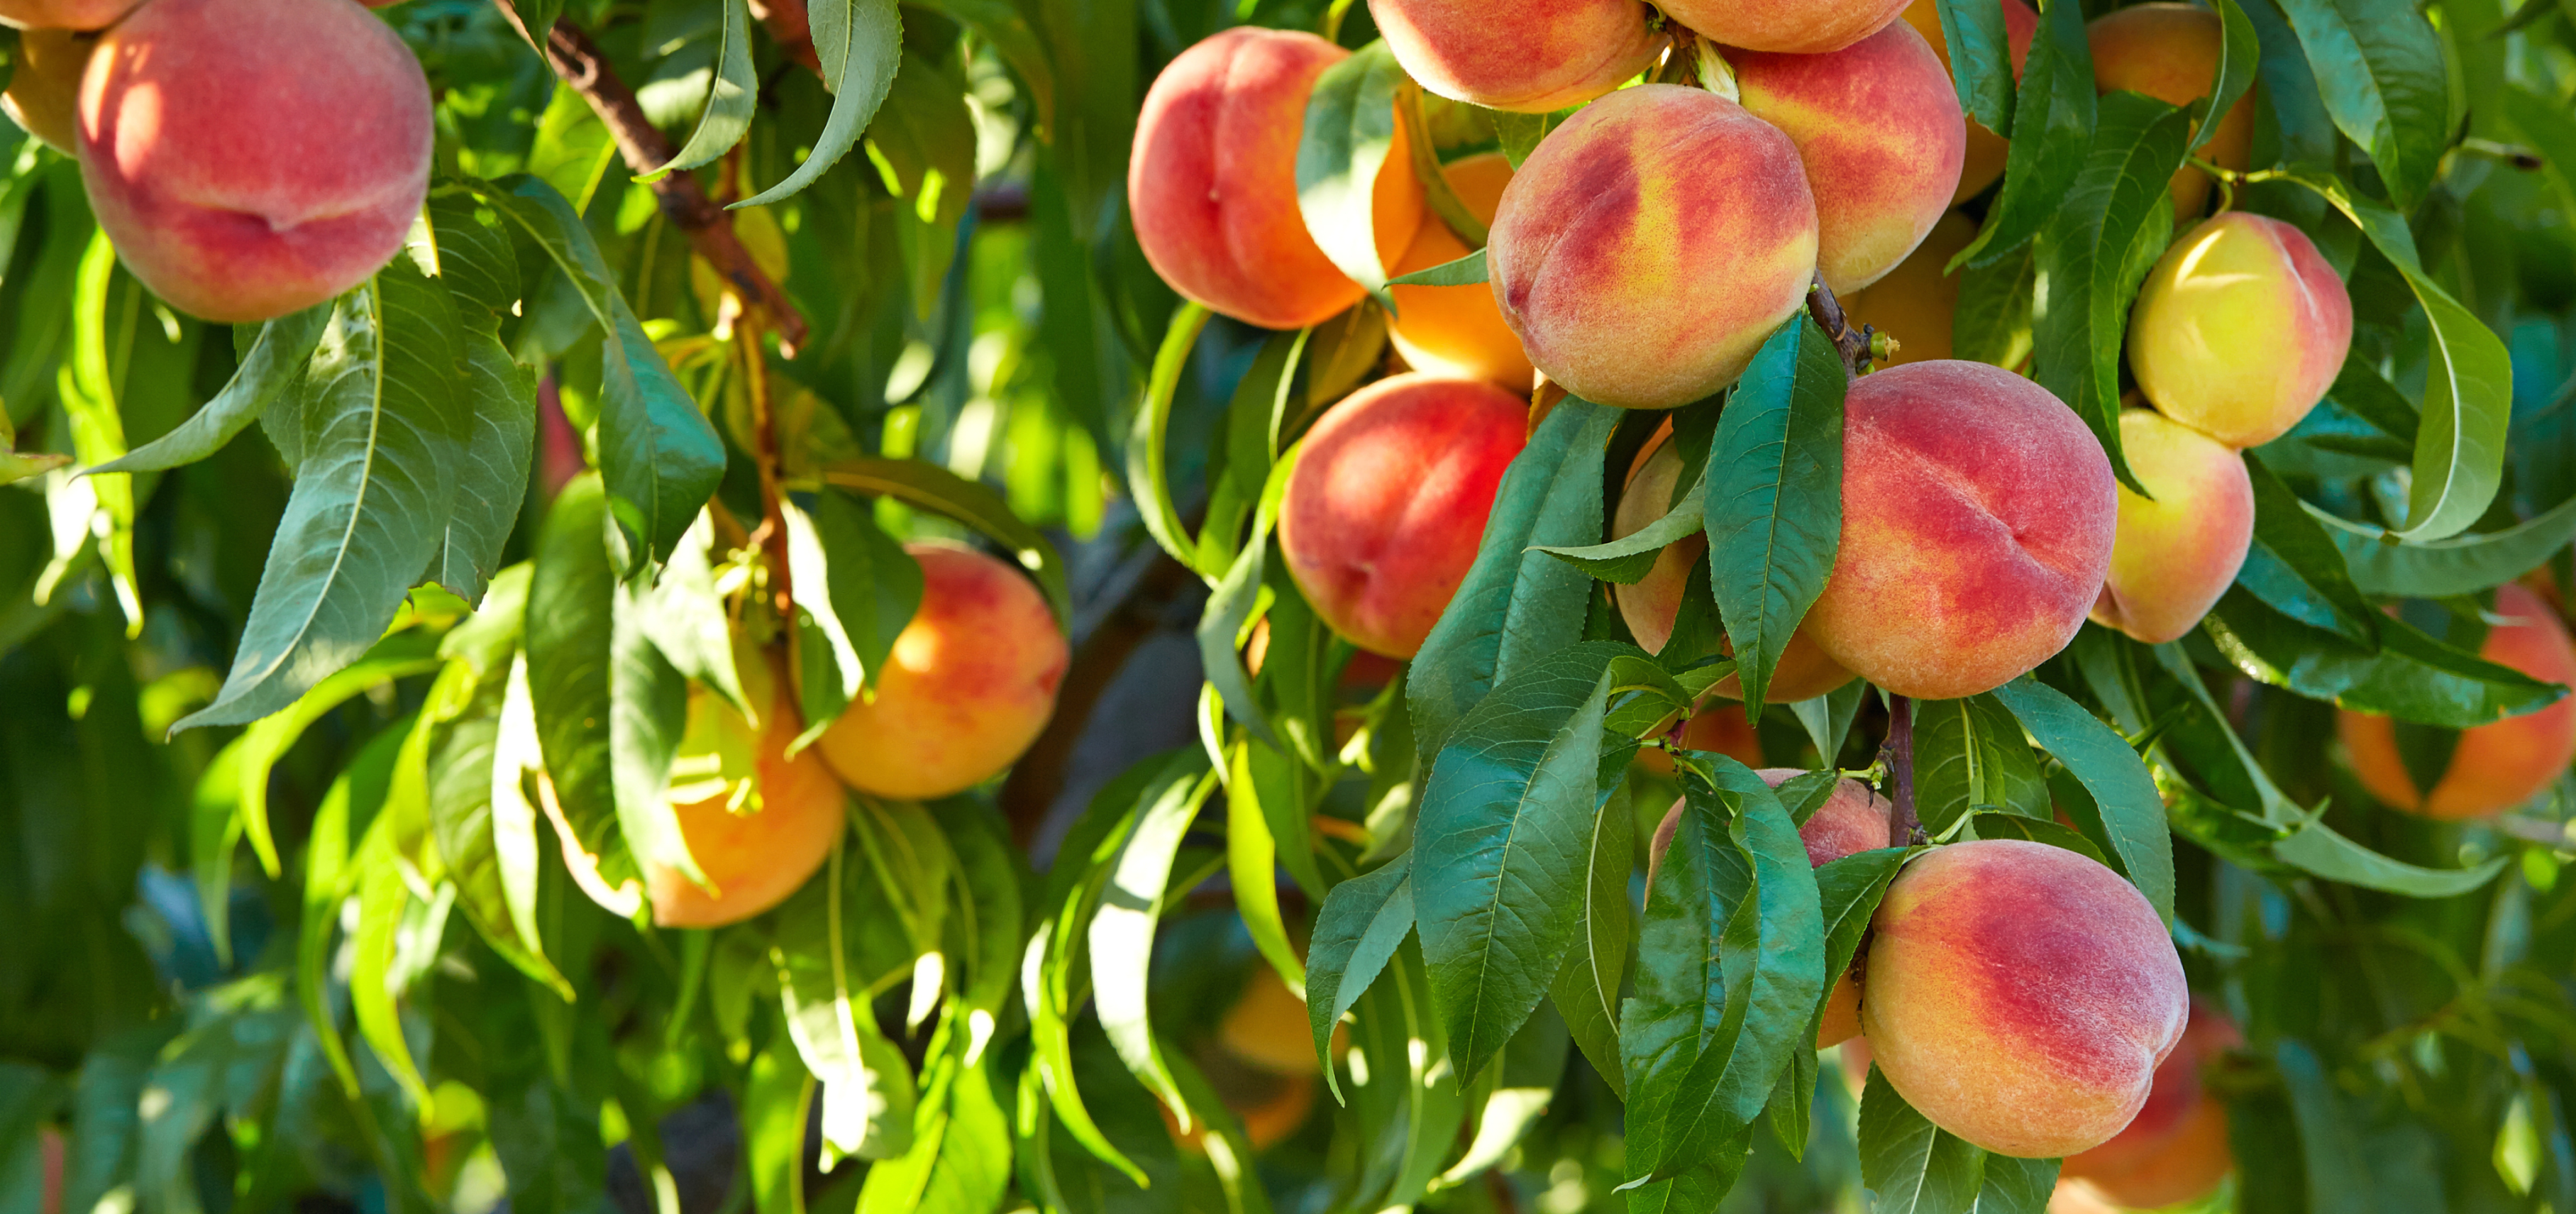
1879 129
1458 330
1978 517
1525 56
1388 501
2176 554
1610 236
2021 996
1986 151
756 841
1212 183
239 179
2240 329
2495 766
1916 302
969 685
44 93
63 14
2176 1149
1800 27
2170 52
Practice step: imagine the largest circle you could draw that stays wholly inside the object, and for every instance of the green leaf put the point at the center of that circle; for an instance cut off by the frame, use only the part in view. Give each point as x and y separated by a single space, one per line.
1774 496
934 488
2296 568
274 366
1122 932
868 1093
382 897
570 644
2052 121
87 388
1991 322
2363 392
1362 922
648 709
1516 606
2132 812
1849 889
685 616
1350 131
856 589
1252 867
1234 600
2379 66
1006 26
1466 271
497 395
2338 1174
1586 990
1500 846
1828 717
1696 891
2239 51
1520 1089
2461 565
1980 61
961 1148
353 800
1910 1165
476 741
2022 1186
398 656
2319 850
733 92
1520 134
860 46
777 1105
2413 677
1969 755
1148 474
1275 785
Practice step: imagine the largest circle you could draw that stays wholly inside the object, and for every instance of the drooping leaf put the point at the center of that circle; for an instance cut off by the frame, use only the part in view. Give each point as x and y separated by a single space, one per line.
868 1092
733 92
1981 65
2463 564
2239 51
1774 496
273 367
2317 849
1627 559
934 488
1350 131
2412 677
260 747
1910 1165
1362 922
2296 568
1122 931
859 44
856 589
648 708
1696 890
2132 812
2052 121
1586 990
2378 65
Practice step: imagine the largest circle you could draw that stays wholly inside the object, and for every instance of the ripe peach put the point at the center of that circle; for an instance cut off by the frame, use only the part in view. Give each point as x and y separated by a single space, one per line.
1853 819
1388 502
2495 766
2176 1149
2021 995
1609 237
1267 1027
239 180
1880 132
1458 330
1986 149
1526 56
1916 301
2170 52
63 14
1801 27
756 836
1213 180
44 93
1979 513
2240 329
2176 554
969 685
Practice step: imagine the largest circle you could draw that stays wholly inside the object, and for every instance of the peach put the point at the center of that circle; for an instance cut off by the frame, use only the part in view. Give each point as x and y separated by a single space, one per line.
1212 183
44 93
1526 56
2170 52
1916 302
251 158
969 685
1880 132
2176 1149
2021 996
1388 501
1458 330
2495 766
1608 240
2176 554
1978 517
756 836
1800 27
2240 329
1852 819
63 14
1268 1027
1986 151
1652 603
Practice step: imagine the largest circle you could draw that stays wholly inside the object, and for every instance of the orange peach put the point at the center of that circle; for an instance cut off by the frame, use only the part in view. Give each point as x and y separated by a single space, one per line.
44 93
1800 27
1986 150
756 836
2176 554
969 685
2021 996
1880 132
1267 1027
2496 766
2176 1149
1212 183
1610 236
1388 502
1458 330
1978 517
2240 329
63 14
1526 56
251 158
2170 52
1916 301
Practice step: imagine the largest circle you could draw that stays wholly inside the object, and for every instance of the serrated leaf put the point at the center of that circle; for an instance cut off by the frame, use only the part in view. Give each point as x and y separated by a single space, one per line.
2020 1186
859 44
1586 990
1981 66
1969 755
1774 496
733 92
2296 567
936 489
2052 121
1681 992
1627 560
274 365
2132 812
1358 929
2378 65
1910 1165
1350 131
1848 890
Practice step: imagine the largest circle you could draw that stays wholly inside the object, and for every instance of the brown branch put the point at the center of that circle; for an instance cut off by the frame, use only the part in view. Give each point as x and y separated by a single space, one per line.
1852 344
1898 754
643 147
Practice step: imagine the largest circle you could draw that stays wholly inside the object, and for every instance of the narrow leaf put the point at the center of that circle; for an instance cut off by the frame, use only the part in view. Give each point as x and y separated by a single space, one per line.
1362 922
273 367
1349 133
1774 494
860 46
2133 814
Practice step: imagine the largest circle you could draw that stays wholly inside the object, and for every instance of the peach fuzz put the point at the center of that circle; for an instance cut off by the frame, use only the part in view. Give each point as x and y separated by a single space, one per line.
2021 996
2240 329
1978 512
969 685
1458 330
2170 52
44 93
1525 56
2176 1149
239 221
1607 240
1986 151
1879 129
1799 27
1916 302
1852 819
755 854
1650 605
1212 183
63 14
1384 510
2495 766
2176 554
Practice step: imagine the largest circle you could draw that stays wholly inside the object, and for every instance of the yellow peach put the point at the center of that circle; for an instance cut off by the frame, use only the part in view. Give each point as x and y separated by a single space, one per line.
1458 330
2176 554
2170 52
2240 329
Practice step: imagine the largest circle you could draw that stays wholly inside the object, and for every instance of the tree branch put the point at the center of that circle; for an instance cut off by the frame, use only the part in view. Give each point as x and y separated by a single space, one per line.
1852 344
1898 754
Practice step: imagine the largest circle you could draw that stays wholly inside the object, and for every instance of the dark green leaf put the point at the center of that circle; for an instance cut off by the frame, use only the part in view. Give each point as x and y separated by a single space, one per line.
1849 890
2366 394
856 589
1586 991
860 46
934 488
1910 1165
1991 321
2378 64
1467 271
1991 825
2463 564
2413 677
2319 850
2132 813
733 92
274 366
2023 1186
2295 566
1696 890
1627 559
2239 51
1362 922
1969 755
2053 116
1774 496
648 708
1981 63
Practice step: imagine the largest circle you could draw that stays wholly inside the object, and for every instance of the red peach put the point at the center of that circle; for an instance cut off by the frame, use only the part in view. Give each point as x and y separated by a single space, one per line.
1525 56
2176 1149
754 850
1800 27
2496 766
2176 554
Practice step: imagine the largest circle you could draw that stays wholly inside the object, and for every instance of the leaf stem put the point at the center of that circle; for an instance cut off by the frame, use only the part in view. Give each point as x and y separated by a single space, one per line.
1854 345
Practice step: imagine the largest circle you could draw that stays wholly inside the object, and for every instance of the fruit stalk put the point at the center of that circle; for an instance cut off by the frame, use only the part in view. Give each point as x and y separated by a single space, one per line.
1852 344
